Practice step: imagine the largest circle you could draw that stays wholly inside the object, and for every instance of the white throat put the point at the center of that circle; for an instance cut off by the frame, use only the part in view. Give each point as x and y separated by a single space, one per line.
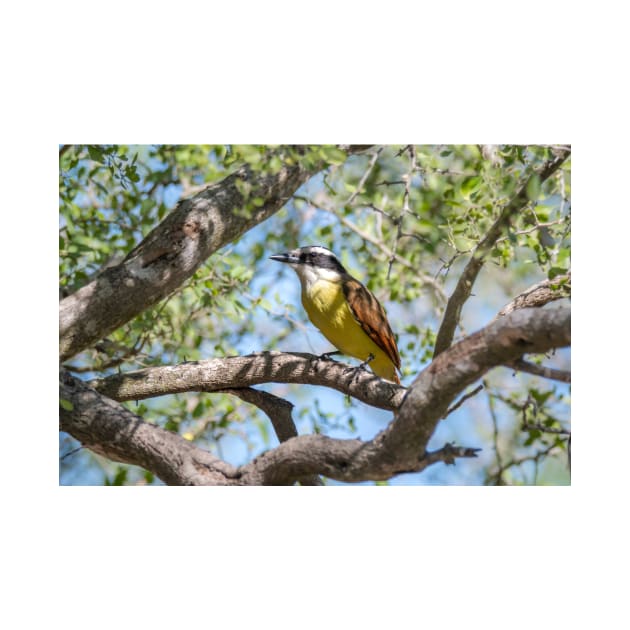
310 275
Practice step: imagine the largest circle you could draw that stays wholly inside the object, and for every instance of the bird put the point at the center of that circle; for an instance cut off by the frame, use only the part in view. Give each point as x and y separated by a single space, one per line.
344 310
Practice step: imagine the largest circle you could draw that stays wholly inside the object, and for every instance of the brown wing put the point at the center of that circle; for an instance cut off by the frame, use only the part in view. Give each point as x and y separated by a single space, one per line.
372 318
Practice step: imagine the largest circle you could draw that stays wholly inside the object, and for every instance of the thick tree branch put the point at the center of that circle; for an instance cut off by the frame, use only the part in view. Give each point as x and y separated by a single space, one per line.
254 369
429 396
174 249
108 428
466 281
401 446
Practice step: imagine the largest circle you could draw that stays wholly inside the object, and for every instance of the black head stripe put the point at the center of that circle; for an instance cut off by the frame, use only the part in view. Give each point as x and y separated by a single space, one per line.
320 257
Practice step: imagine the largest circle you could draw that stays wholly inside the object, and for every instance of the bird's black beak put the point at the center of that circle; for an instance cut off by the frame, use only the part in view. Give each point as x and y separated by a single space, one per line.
288 257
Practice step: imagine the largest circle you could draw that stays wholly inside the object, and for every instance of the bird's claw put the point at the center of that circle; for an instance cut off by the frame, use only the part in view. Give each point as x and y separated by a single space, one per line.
326 356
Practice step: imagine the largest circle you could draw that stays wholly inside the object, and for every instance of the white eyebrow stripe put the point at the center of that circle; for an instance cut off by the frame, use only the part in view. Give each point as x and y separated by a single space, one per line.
318 249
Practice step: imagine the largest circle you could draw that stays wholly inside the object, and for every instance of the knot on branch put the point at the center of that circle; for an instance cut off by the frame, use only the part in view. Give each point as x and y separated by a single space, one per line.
191 228
448 454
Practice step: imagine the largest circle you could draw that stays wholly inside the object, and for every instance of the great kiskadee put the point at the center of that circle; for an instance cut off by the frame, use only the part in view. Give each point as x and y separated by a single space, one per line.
345 312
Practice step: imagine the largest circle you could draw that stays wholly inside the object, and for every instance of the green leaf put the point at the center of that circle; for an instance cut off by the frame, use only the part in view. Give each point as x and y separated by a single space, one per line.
96 154
132 174
542 212
469 185
564 256
66 404
555 271
332 155
119 478
533 188
541 397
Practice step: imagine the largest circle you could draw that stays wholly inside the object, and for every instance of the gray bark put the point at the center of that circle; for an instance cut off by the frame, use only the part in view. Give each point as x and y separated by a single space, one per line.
244 371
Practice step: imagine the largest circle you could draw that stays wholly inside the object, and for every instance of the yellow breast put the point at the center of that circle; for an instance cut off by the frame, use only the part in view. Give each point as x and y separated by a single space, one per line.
326 306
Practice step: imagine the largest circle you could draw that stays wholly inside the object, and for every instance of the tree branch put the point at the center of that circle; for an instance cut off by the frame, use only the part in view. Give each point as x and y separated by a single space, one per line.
174 249
462 400
540 294
239 372
279 411
429 396
466 281
108 428
536 426
539 370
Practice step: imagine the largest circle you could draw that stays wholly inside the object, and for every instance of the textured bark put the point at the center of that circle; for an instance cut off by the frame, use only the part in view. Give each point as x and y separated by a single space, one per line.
173 251
540 294
108 428
280 413
238 372
540 370
505 340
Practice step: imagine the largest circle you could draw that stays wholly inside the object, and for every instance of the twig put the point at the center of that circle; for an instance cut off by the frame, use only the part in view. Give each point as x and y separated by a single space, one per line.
532 229
398 222
399 153
495 432
538 370
522 460
363 179
443 171
391 183
448 453
463 399
536 426
72 452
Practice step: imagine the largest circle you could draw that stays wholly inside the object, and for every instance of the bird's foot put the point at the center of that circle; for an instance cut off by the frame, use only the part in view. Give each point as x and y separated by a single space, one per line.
365 363
326 356
362 366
